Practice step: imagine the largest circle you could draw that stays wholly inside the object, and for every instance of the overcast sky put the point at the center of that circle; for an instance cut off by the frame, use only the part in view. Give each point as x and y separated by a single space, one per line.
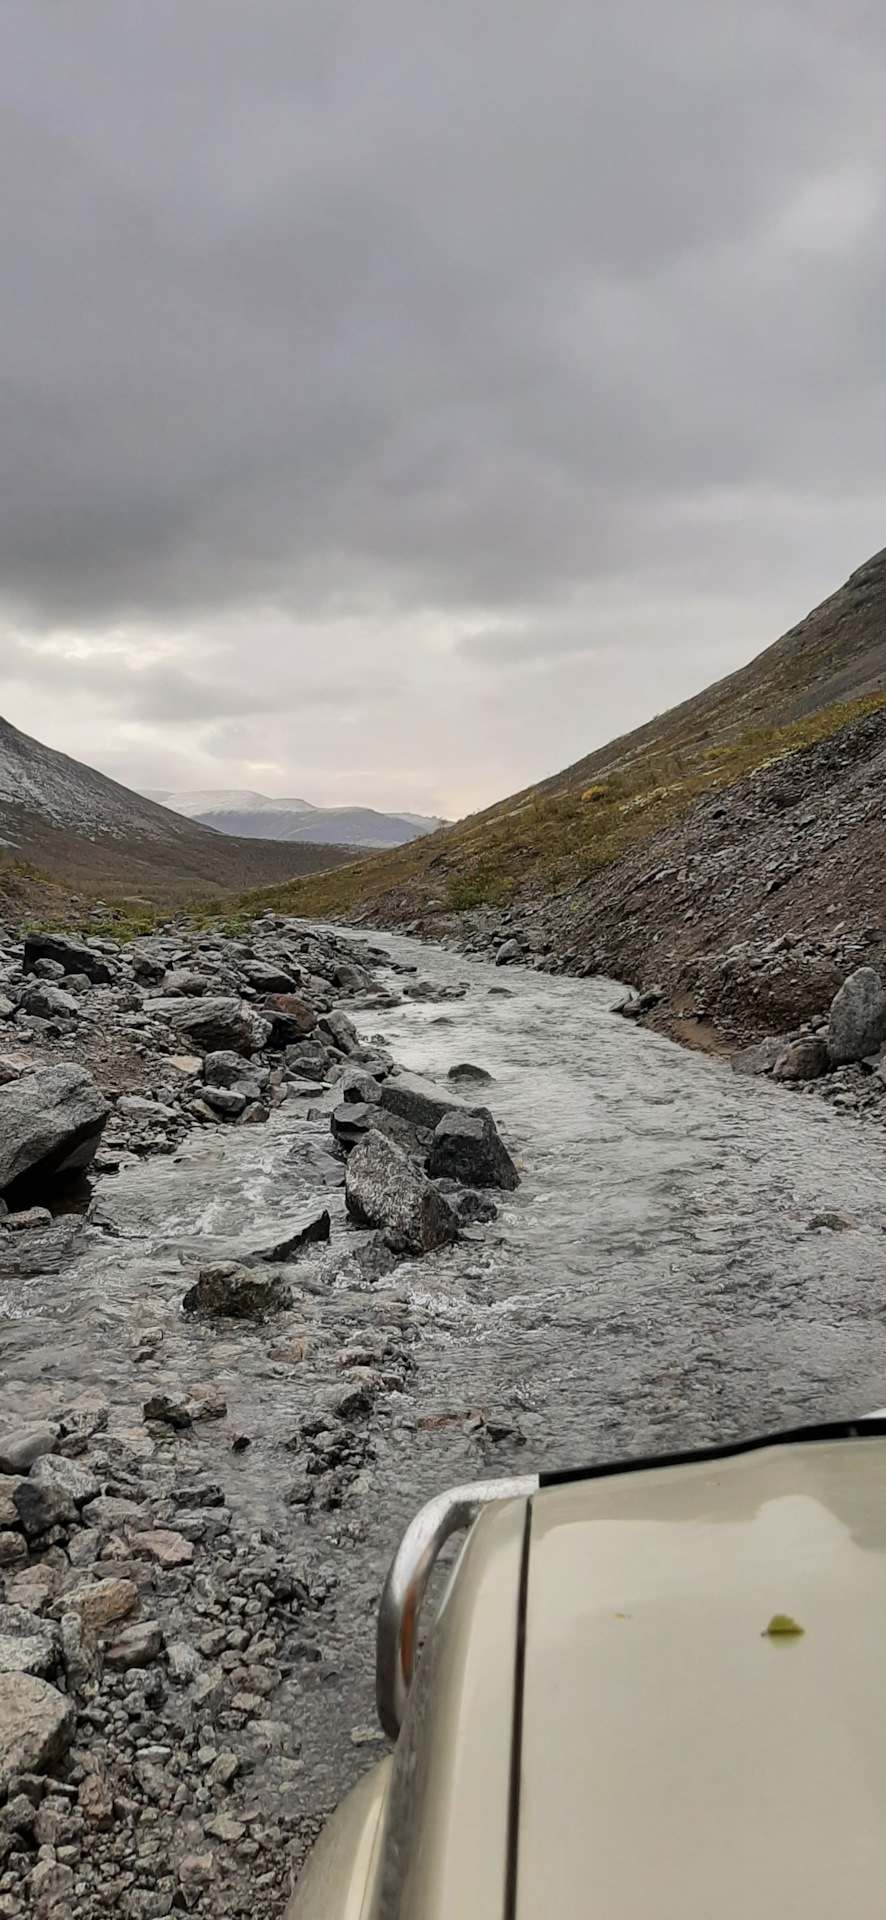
400 397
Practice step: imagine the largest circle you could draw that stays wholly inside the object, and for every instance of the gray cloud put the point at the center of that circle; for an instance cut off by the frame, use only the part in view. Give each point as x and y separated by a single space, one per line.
366 331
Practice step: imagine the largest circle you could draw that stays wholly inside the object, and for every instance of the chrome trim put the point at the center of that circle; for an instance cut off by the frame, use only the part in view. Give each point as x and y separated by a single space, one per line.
408 1576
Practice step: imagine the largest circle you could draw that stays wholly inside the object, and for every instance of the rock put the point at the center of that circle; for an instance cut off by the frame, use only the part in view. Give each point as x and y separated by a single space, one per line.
473 1209
96 1802
224 1770
224 1827
21 1446
215 1024
103 1601
108 1513
224 1100
72 955
223 1069
51 1882
27 1643
857 1021
169 1408
47 1002
291 1019
183 1662
383 1189
804 1059
758 1059
36 1726
27 1218
237 1292
341 1031
417 1100
467 1074
50 1122
80 1652
508 953
8 1508
467 1147
56 1470
42 1506
168 1548
197 1870
136 1646
358 1088
13 1549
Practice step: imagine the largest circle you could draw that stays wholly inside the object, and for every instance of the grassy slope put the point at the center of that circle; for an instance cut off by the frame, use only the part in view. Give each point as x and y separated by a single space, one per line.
825 672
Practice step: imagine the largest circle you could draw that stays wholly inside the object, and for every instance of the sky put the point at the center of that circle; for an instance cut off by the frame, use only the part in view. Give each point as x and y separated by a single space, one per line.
398 399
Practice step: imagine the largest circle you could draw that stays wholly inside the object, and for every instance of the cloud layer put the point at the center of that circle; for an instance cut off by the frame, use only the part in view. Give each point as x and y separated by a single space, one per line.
396 401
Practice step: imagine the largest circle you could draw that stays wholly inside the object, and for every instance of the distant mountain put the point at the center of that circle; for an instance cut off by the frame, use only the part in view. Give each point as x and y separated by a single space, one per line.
93 835
236 811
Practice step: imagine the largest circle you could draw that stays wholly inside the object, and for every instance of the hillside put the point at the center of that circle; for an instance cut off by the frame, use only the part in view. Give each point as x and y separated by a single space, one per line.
94 836
256 815
750 813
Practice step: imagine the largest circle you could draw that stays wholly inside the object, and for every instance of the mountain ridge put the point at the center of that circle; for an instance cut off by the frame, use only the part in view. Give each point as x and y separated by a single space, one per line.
232 811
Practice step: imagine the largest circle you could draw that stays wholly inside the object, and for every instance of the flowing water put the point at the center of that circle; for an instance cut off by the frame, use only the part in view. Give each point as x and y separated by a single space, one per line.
658 1280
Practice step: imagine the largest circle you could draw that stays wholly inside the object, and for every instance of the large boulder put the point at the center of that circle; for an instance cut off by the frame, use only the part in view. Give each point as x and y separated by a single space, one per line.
384 1189
291 1019
803 1059
48 1002
216 1025
467 1147
73 955
857 1024
417 1100
50 1122
36 1726
235 1292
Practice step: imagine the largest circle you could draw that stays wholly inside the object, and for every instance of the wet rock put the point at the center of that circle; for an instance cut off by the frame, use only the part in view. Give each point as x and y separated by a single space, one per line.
72 955
803 1059
509 953
467 1147
474 1209
27 1643
857 1022
758 1059
466 1074
21 1446
36 1726
215 1025
50 1122
170 1408
384 1189
359 1088
292 1019
237 1292
224 1100
417 1100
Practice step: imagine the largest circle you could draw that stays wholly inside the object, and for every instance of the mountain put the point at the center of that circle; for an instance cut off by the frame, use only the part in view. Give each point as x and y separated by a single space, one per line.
729 854
93 835
241 812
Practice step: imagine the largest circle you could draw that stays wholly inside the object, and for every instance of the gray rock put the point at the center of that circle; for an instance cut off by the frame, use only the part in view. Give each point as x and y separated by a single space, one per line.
857 1022
72 955
41 1507
803 1059
27 1643
509 952
135 1646
291 1019
36 1726
50 1122
13 1548
417 1100
223 1069
21 1446
758 1059
467 1147
169 1408
48 1002
224 1100
466 1074
384 1189
48 969
28 1217
56 1470
237 1293
8 1509
81 1652
357 1087
215 1024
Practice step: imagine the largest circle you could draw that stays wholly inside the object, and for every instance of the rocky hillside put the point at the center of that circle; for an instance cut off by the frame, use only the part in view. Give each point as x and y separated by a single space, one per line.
94 836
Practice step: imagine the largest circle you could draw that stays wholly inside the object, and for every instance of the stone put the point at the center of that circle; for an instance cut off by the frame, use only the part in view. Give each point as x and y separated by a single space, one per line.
758 1059
857 1019
291 1019
359 1088
136 1646
72 955
197 1870
237 1292
224 1770
96 1802
465 1073
804 1059
224 1100
50 1122
56 1470
48 1002
509 952
26 1218
183 1661
109 1512
51 1882
42 1506
223 1069
36 1726
467 1147
13 1548
384 1189
225 1827
165 1406
27 1643
216 1024
8 1508
21 1446
103 1601
417 1100
167 1547
80 1652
